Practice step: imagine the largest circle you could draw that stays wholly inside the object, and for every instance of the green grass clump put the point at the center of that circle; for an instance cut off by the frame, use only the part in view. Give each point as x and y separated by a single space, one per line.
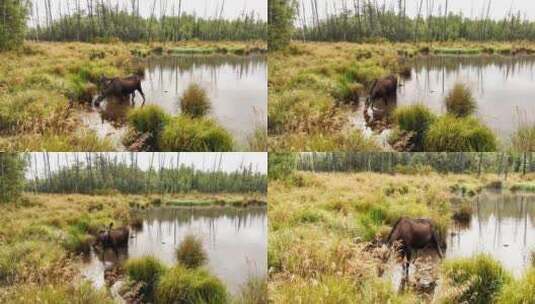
452 134
255 291
77 241
526 187
524 138
479 279
191 135
460 101
519 291
416 119
190 253
195 102
182 285
150 119
147 270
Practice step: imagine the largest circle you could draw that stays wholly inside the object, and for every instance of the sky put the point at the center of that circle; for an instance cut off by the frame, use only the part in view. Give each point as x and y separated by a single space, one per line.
499 8
231 161
203 8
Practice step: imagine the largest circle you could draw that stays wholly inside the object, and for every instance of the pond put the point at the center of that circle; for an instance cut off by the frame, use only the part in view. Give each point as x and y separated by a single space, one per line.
235 85
503 87
235 240
502 225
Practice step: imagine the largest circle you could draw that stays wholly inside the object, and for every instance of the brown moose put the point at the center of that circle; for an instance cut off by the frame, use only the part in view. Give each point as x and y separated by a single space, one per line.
113 238
383 88
120 87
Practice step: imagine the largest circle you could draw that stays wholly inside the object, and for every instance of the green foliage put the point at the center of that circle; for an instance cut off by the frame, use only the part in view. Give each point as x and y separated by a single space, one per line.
149 119
281 166
280 20
13 23
194 102
192 135
451 134
460 101
523 140
12 181
255 291
479 279
416 119
180 285
77 242
519 291
191 253
146 270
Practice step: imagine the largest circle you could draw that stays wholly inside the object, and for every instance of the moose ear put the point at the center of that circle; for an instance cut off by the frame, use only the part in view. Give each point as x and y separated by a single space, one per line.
111 225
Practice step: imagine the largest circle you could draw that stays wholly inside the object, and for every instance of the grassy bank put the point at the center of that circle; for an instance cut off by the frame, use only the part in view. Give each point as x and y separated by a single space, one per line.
45 88
42 236
311 85
322 227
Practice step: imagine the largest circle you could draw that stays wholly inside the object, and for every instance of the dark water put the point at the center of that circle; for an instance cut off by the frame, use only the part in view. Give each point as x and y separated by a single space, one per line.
235 240
504 87
502 225
236 86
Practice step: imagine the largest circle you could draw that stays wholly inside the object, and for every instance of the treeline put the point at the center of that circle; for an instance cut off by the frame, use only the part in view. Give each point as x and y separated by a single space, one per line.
101 173
97 21
11 177
405 162
367 20
12 23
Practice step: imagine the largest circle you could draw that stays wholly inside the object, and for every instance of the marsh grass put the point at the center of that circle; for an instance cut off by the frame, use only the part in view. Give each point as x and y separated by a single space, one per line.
460 101
190 253
195 102
416 119
149 119
182 285
450 134
254 291
146 270
519 291
186 134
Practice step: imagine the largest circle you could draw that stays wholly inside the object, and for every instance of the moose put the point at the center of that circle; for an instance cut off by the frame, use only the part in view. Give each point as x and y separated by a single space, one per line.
113 238
120 87
412 235
383 88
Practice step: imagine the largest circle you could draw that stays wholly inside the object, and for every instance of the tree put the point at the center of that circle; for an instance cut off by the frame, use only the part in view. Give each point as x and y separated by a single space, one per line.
11 176
13 15
280 18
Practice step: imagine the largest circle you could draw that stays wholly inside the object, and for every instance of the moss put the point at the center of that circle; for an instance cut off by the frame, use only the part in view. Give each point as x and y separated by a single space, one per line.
451 134
194 102
180 285
189 135
190 253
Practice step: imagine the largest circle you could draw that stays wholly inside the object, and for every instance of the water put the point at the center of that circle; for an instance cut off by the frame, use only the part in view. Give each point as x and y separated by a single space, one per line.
502 225
502 87
235 240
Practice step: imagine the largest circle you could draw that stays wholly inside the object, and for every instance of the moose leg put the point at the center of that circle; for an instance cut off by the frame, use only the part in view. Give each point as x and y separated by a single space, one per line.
437 245
133 96
407 263
142 95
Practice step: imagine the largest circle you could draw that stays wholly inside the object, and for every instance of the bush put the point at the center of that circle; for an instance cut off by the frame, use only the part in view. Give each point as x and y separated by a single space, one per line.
451 134
191 135
146 270
194 102
190 253
460 101
478 280
181 285
149 119
416 119
520 291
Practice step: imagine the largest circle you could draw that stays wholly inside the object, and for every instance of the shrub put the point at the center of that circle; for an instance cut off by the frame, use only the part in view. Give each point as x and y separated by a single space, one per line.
520 291
416 119
460 101
181 285
451 134
190 135
146 270
478 280
149 119
190 253
194 102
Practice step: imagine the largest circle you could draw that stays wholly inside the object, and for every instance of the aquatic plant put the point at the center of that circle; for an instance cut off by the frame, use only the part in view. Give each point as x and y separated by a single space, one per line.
451 134
255 291
182 285
195 102
460 101
186 134
190 252
147 270
519 291
148 119
416 119
475 280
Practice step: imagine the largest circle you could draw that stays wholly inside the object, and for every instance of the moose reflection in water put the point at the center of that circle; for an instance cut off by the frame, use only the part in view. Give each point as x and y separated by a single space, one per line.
235 240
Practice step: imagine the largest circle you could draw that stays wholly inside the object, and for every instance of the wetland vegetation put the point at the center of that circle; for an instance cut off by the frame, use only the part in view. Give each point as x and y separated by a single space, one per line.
330 212
57 244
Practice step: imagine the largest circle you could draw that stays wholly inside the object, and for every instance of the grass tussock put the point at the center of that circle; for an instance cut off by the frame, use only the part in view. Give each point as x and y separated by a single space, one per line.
415 119
146 270
255 291
149 119
195 102
182 285
519 291
450 134
460 101
191 253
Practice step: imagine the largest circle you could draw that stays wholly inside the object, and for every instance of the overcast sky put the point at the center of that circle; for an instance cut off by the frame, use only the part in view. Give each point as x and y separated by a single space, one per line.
203 8
231 161
469 8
